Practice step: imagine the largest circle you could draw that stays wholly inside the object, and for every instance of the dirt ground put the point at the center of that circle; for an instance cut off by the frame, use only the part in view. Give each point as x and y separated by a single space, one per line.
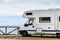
17 37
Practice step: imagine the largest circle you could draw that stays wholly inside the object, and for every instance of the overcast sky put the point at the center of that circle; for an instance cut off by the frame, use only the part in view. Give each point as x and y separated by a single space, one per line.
17 7
12 10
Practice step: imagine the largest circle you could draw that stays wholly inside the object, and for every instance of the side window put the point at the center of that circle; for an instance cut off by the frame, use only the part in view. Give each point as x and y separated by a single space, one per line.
28 13
31 21
44 19
59 18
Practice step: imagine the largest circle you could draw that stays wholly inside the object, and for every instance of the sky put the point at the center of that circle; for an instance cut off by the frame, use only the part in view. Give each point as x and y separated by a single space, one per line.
17 7
11 11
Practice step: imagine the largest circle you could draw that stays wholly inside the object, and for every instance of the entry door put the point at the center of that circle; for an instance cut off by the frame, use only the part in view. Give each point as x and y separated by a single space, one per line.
56 22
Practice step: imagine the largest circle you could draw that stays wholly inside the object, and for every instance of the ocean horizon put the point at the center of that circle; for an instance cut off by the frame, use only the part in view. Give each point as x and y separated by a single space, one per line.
12 20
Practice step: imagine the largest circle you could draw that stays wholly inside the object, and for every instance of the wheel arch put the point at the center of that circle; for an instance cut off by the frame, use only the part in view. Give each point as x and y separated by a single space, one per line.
20 31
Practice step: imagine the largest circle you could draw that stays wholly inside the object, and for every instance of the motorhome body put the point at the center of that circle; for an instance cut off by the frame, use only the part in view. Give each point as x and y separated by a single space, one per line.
41 22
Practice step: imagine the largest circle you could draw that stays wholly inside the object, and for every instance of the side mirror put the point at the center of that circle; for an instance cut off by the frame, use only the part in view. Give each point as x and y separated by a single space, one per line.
26 25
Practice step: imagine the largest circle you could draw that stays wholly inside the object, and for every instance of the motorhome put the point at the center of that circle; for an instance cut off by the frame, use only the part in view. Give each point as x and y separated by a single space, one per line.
41 22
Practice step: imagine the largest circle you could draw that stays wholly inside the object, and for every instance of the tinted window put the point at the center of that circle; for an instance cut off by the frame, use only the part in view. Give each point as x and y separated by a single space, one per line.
44 19
28 13
59 18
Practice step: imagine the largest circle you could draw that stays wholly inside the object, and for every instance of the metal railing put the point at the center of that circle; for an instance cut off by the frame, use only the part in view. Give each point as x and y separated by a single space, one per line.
6 29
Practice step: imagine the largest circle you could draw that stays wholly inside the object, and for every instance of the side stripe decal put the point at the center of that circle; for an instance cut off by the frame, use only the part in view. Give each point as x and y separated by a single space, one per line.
50 30
28 30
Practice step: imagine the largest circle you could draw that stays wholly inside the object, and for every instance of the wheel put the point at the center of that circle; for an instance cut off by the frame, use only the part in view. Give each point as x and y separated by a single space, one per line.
24 33
58 35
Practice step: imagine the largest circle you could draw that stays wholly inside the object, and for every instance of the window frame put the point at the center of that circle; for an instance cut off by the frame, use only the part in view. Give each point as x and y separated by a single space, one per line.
59 18
45 20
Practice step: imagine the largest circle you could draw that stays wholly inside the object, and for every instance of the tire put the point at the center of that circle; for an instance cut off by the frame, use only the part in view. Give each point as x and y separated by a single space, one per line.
58 35
24 33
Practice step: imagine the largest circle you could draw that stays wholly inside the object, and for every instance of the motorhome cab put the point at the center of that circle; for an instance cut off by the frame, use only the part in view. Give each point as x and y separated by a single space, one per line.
41 22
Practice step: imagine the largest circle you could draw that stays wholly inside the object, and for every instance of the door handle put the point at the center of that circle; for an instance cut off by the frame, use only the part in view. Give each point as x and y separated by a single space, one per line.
33 26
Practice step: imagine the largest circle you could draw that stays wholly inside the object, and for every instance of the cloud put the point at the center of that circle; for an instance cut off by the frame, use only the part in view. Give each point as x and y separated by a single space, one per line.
17 7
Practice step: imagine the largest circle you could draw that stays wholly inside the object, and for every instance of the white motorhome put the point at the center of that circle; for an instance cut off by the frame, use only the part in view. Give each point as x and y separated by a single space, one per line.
41 22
